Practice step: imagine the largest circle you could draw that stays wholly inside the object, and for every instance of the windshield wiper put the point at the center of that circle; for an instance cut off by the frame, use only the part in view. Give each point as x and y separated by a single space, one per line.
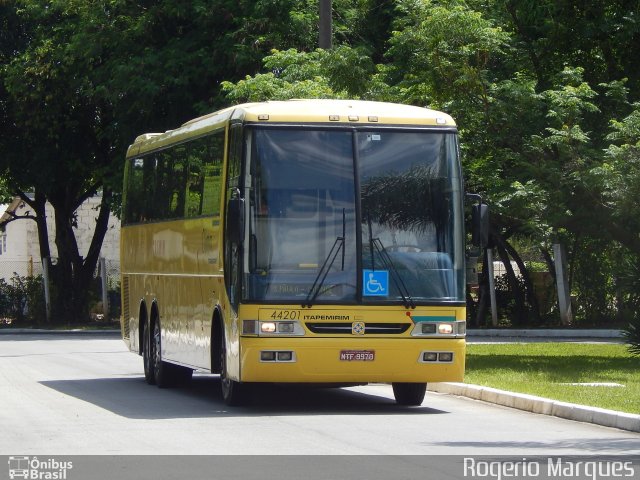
395 275
338 246
376 243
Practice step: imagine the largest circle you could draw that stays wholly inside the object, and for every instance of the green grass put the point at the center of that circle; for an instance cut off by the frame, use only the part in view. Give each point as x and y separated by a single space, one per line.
546 369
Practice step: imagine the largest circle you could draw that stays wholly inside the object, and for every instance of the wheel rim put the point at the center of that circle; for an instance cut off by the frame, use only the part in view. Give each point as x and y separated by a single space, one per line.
156 350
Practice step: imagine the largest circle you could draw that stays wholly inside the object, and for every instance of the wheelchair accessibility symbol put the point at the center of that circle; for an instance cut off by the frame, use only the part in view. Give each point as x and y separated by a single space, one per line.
375 283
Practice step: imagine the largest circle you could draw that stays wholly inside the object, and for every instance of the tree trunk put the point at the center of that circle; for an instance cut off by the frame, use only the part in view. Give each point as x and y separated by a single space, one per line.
549 261
530 290
483 293
74 275
518 295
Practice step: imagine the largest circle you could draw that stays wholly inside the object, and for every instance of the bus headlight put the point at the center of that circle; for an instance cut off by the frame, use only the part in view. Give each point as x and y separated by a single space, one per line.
445 328
272 328
268 327
436 329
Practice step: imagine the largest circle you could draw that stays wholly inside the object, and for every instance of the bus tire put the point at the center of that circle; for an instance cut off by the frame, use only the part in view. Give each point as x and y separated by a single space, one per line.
162 371
233 393
410 394
147 360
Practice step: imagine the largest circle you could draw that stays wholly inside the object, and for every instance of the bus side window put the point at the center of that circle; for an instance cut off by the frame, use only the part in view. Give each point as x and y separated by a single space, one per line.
141 189
204 180
134 193
212 188
194 189
169 198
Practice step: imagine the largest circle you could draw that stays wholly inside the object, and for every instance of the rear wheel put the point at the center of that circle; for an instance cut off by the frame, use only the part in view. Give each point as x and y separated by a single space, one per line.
409 393
233 393
147 356
161 369
165 374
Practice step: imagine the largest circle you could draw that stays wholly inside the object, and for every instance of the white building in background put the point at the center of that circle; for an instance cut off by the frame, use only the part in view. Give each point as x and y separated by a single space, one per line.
20 248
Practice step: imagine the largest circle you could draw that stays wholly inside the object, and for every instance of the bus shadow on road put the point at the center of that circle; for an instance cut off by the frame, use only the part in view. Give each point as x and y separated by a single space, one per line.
131 397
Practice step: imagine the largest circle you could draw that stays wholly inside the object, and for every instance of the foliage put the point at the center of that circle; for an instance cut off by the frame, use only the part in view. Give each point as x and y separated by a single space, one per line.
605 284
505 301
441 53
80 79
21 300
339 73
631 335
546 96
628 287
536 125
54 98
536 266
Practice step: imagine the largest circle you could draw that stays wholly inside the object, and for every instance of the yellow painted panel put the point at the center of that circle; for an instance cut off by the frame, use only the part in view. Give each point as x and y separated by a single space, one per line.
318 360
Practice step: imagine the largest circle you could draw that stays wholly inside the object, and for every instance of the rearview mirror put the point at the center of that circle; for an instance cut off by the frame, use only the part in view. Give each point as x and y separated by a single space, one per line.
480 225
235 220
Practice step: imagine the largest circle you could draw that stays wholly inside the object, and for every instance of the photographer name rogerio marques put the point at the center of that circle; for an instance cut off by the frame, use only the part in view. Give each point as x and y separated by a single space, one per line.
552 468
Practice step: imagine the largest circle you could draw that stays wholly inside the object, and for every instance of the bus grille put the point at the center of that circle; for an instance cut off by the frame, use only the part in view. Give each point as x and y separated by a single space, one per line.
370 328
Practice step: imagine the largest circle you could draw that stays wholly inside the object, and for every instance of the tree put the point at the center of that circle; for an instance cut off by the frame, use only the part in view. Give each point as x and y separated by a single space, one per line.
534 101
80 79
545 95
343 72
56 147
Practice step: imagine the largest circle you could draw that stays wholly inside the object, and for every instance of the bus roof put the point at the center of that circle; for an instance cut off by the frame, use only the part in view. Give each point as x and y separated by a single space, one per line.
304 111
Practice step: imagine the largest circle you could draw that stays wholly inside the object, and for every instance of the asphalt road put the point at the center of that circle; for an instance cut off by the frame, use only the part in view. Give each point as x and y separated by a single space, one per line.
85 395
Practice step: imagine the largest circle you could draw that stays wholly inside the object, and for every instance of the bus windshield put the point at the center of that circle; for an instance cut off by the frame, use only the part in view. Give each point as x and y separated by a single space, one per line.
353 216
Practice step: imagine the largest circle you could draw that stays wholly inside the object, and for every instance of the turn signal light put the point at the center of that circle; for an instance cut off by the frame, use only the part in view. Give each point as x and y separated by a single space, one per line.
277 356
445 357
428 327
267 356
284 356
436 357
430 357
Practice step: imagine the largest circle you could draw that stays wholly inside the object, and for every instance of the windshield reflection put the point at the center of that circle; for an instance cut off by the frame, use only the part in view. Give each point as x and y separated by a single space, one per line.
302 201
302 220
410 194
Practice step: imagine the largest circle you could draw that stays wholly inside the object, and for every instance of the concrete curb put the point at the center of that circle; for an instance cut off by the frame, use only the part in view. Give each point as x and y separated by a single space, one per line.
544 406
545 333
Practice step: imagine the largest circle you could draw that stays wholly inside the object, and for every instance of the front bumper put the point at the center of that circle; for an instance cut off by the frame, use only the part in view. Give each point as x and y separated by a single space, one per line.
317 360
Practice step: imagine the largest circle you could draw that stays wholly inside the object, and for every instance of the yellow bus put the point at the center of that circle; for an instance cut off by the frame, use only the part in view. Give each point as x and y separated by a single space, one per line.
300 241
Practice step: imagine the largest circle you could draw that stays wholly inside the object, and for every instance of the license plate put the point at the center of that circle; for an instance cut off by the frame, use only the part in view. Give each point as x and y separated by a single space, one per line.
357 355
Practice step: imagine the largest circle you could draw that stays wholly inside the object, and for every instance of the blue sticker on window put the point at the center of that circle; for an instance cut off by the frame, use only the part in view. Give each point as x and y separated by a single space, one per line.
375 283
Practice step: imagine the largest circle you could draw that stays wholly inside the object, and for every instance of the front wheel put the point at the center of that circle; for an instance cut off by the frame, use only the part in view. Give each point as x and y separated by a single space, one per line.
409 393
233 393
